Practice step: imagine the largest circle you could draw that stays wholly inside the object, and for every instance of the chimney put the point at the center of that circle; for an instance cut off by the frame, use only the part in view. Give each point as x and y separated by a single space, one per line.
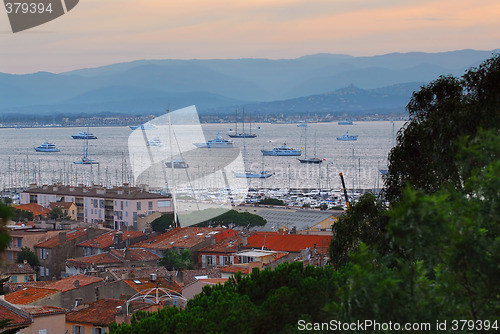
118 239
62 237
127 254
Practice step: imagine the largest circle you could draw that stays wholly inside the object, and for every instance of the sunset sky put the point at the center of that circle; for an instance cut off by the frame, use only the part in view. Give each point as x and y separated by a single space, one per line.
100 32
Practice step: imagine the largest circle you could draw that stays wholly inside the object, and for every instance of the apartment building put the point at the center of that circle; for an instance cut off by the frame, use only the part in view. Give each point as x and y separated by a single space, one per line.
118 208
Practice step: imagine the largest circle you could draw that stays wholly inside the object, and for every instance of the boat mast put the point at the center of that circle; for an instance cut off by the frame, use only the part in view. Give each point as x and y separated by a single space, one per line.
235 121
243 121
172 168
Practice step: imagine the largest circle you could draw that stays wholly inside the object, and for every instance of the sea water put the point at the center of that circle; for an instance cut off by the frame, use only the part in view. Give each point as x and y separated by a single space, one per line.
359 161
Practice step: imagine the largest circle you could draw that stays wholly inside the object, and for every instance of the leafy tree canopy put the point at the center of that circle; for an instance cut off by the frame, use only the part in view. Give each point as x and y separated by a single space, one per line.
29 256
172 260
272 201
235 218
441 113
163 223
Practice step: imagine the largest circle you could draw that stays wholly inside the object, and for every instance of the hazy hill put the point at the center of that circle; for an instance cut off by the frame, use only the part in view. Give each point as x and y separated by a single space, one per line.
148 86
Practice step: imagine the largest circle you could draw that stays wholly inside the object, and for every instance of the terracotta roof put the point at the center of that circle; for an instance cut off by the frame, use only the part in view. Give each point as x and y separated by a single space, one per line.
234 269
55 241
15 314
37 209
107 239
62 205
73 282
19 286
38 311
140 284
226 245
287 242
136 254
99 313
18 268
213 280
181 237
93 260
29 295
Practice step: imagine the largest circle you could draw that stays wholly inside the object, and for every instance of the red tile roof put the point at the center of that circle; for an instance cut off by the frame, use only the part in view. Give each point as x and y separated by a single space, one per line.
18 268
37 209
140 284
73 282
29 295
287 242
136 254
38 311
234 269
62 205
226 245
17 316
54 241
98 313
181 237
93 260
107 239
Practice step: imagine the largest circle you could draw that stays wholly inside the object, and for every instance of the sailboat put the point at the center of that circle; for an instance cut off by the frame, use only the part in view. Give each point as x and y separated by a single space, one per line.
263 174
85 159
306 160
242 134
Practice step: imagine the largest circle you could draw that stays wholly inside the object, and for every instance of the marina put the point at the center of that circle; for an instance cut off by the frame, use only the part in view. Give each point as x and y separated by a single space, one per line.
359 160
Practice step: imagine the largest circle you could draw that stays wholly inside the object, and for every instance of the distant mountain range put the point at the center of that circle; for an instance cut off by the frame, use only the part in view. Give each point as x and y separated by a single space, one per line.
317 83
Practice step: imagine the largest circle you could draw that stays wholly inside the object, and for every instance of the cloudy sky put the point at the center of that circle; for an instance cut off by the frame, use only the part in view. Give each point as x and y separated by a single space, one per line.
100 32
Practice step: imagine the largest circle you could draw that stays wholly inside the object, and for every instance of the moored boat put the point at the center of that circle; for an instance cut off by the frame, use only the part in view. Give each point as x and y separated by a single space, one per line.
47 147
282 151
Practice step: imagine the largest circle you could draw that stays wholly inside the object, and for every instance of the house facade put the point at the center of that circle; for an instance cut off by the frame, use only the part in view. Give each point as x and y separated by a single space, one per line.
54 252
117 208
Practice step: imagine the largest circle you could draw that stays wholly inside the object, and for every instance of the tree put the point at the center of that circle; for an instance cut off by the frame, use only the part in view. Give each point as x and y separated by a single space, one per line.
56 213
172 260
29 256
5 216
21 215
235 218
364 222
163 223
440 114
272 201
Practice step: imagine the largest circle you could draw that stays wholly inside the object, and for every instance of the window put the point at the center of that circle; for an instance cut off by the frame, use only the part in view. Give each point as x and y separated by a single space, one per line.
163 204
78 329
98 330
209 259
13 279
138 206
19 242
134 216
47 272
44 253
42 331
150 205
42 271
121 205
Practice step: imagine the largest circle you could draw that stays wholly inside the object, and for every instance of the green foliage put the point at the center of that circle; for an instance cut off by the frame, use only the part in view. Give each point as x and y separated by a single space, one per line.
440 114
272 201
56 213
171 260
22 215
233 217
265 302
163 223
29 256
5 216
364 222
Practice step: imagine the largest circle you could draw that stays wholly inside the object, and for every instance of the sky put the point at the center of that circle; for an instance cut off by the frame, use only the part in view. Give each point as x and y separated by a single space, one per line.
101 32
